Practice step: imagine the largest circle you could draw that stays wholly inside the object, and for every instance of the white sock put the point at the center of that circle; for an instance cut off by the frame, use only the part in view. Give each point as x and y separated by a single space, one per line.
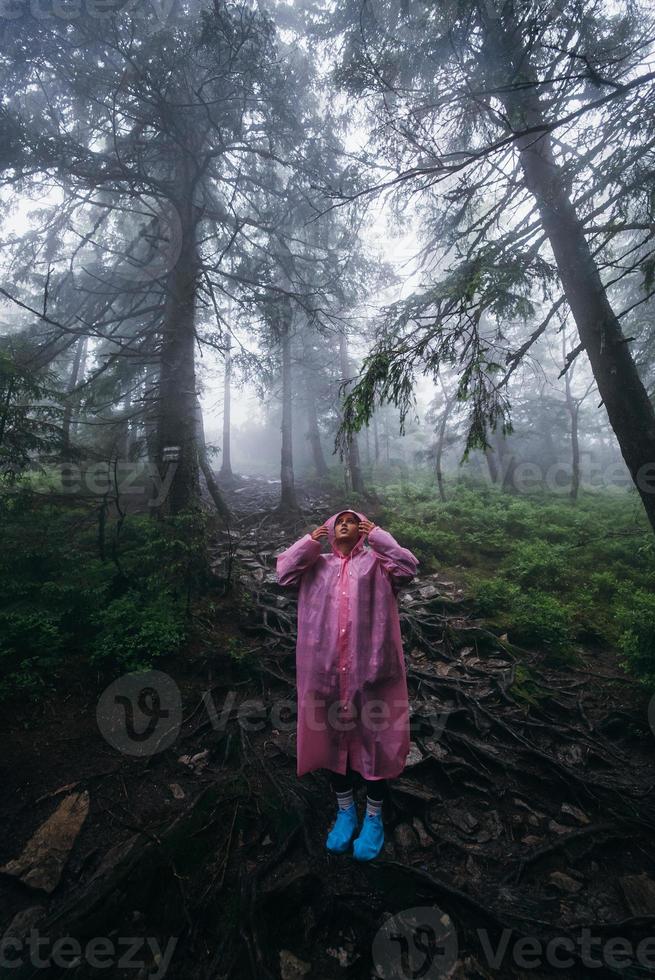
373 807
345 800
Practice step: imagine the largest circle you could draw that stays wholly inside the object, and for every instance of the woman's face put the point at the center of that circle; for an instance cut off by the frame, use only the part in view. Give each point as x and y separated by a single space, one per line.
346 527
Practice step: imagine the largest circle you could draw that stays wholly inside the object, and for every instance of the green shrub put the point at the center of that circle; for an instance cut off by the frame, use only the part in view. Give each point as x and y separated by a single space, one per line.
636 620
540 565
61 602
429 543
134 631
492 595
538 619
586 570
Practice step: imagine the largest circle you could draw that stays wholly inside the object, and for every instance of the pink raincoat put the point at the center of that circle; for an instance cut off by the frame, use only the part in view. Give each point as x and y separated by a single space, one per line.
350 668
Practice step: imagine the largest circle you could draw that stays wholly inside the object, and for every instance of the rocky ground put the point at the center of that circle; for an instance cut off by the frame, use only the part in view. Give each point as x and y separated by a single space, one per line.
519 837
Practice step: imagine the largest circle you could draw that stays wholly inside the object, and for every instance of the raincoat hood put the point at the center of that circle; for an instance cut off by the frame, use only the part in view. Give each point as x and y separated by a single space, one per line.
332 534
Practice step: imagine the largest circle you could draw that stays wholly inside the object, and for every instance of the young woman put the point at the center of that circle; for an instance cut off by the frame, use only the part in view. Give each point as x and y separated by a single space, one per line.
353 712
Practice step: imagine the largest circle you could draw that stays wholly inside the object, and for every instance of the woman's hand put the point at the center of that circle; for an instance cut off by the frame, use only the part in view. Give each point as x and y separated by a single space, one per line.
366 527
320 532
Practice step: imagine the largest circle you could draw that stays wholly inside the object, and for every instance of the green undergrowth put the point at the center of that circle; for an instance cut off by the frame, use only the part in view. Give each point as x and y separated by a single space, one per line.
79 595
548 572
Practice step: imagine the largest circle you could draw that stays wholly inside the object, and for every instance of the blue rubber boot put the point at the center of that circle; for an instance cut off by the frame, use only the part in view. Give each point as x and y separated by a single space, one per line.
371 838
339 838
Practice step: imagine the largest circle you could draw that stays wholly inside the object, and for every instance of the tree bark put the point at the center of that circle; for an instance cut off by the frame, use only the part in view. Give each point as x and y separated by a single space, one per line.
77 371
507 463
573 408
176 410
625 398
288 499
490 457
226 473
313 431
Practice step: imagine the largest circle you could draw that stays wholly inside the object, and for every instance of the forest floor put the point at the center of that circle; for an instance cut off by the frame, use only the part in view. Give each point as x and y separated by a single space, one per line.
524 817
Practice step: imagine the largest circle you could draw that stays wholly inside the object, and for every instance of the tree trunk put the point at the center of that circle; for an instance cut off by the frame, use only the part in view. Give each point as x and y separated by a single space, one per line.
626 401
77 372
352 456
575 453
387 436
376 438
507 463
205 466
492 466
288 500
176 409
441 438
226 473
573 409
313 431
127 430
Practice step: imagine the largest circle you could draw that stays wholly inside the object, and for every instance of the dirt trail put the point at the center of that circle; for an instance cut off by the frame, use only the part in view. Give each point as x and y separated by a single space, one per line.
526 809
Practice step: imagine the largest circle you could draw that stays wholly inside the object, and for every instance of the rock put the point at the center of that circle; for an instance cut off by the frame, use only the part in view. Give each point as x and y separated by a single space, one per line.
463 820
571 755
531 841
414 755
436 749
558 828
267 840
21 924
292 968
424 838
524 806
569 810
196 762
428 592
472 868
494 824
639 893
405 837
346 954
564 883
177 791
404 786
45 854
